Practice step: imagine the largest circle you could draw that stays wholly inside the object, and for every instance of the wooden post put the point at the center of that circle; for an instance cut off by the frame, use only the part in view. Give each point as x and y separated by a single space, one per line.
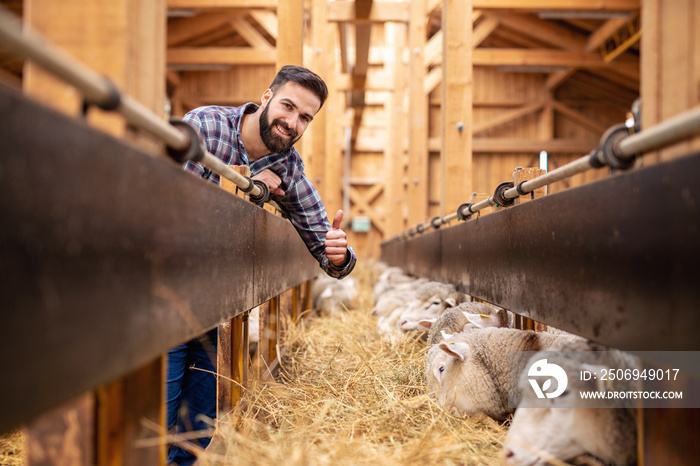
417 125
232 349
296 303
125 41
273 334
456 110
520 175
240 357
45 443
525 174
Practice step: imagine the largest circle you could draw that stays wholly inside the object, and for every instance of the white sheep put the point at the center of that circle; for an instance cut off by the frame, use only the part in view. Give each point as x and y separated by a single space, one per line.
470 314
389 279
330 295
568 427
468 372
431 300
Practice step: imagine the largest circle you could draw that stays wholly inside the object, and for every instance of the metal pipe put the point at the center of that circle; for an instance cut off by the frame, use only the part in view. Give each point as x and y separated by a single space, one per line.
570 169
101 91
667 132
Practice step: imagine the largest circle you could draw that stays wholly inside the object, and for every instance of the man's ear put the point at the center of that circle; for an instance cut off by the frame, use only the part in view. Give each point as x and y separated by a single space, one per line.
267 95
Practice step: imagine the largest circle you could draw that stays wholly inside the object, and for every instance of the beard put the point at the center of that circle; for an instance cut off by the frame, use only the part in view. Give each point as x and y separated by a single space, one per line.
272 141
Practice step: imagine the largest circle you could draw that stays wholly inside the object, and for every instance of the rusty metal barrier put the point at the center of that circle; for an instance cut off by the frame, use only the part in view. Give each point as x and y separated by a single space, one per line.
110 257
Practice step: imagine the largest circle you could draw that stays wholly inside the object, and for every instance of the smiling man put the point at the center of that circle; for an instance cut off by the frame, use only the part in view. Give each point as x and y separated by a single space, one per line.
263 137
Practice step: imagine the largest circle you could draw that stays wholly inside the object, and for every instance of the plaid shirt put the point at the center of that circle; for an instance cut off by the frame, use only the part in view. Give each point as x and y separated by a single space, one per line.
220 128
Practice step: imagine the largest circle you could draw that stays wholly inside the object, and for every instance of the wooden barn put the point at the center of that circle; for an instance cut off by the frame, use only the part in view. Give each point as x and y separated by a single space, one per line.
439 116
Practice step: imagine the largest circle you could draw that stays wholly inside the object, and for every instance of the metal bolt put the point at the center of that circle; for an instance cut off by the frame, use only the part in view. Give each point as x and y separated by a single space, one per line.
460 126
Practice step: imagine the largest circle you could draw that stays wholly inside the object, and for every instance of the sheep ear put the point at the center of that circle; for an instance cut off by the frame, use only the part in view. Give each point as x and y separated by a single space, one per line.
473 318
445 335
451 302
426 323
459 350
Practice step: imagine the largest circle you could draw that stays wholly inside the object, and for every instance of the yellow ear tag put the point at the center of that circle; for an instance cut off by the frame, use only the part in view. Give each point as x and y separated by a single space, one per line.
485 316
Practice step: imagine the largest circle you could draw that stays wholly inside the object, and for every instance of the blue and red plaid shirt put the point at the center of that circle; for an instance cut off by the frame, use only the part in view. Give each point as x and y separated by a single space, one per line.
220 128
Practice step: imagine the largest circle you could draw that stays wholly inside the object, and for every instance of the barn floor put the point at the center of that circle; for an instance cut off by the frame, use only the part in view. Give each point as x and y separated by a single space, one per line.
12 448
347 396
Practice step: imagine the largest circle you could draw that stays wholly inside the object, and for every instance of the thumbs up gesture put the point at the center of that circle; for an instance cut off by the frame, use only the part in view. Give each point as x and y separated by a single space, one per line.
336 242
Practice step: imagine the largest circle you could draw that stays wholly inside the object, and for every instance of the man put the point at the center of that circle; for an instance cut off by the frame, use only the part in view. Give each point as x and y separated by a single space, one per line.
262 137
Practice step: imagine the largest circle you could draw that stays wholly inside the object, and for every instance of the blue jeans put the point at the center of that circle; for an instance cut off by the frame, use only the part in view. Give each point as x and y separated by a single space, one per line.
191 393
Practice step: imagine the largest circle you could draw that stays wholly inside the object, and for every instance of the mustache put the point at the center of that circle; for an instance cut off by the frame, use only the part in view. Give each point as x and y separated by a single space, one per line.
284 126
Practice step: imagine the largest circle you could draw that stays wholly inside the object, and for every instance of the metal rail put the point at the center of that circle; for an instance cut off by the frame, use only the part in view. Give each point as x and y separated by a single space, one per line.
618 149
622 273
100 91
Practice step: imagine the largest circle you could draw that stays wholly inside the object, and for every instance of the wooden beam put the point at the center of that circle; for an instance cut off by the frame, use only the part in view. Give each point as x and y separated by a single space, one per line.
267 20
579 117
10 80
290 44
250 34
671 51
432 80
363 32
456 108
374 82
184 29
418 156
432 50
544 31
400 121
508 117
604 32
220 4
542 57
557 5
484 29
221 56
380 12
557 78
518 146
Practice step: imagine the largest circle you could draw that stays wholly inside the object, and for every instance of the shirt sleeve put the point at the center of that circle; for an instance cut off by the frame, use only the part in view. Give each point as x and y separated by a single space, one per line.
218 137
304 208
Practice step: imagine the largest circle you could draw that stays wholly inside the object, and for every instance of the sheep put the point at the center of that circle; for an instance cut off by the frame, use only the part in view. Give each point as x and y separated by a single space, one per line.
468 372
253 330
431 300
565 428
466 315
397 296
330 295
391 278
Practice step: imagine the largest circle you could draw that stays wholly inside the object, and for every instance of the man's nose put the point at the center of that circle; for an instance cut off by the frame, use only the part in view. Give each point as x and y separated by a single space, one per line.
291 120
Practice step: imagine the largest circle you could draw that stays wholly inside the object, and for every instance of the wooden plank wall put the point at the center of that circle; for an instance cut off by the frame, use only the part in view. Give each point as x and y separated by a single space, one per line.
498 92
392 178
670 66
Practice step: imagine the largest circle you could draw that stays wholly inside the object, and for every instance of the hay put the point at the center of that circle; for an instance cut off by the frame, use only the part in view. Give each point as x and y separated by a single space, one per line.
345 395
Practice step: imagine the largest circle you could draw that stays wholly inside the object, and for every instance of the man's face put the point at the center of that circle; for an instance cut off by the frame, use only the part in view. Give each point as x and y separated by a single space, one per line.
286 115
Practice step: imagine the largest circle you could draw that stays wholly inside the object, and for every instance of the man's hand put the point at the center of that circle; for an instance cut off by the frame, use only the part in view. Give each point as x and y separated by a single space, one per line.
336 242
271 180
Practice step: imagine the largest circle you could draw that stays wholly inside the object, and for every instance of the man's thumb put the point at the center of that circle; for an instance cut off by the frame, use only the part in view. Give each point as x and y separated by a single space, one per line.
337 219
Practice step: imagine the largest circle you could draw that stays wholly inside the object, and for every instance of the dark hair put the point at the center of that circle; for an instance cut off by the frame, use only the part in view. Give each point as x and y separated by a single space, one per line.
302 76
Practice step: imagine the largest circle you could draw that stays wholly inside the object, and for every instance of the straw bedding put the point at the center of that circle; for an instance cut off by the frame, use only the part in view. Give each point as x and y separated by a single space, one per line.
345 395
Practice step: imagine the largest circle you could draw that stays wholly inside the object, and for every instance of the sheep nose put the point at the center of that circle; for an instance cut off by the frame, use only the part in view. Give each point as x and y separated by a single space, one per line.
510 456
